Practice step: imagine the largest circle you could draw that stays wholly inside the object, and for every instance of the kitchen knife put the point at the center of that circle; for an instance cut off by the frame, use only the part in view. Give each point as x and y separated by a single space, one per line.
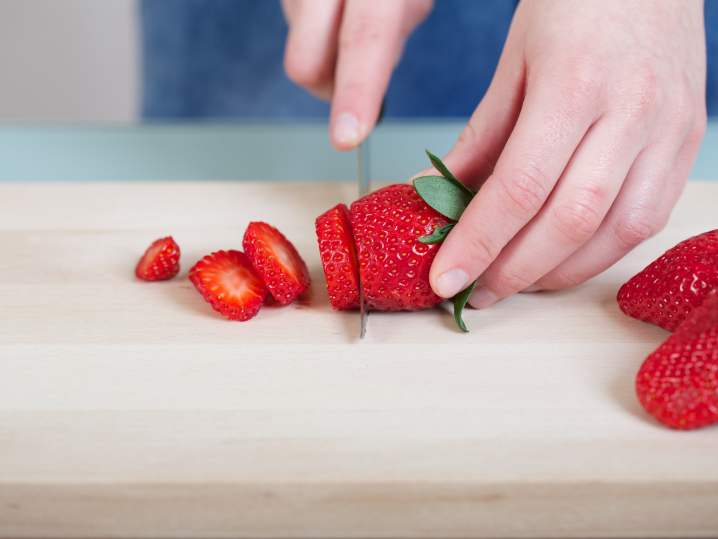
364 169
363 166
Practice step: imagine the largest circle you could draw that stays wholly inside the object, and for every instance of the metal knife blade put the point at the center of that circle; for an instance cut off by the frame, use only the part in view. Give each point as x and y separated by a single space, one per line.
363 168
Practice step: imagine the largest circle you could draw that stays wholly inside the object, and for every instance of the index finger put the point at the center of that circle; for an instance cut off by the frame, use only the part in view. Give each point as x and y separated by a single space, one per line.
370 40
550 127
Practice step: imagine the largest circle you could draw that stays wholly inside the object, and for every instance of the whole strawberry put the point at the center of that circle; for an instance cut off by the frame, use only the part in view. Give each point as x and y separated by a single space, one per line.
678 383
669 289
160 261
393 263
339 257
277 262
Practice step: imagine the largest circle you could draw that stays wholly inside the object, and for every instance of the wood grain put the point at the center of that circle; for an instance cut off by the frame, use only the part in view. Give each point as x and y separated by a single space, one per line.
133 409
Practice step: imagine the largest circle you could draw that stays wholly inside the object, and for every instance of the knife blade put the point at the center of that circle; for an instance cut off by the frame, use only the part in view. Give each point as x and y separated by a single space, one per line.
363 173
364 179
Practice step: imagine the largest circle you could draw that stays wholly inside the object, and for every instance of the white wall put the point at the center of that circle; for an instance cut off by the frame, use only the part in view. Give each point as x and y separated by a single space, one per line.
69 60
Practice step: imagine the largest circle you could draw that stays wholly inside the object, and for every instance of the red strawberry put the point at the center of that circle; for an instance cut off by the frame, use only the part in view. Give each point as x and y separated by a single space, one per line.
339 257
227 281
393 264
671 287
678 383
160 261
277 262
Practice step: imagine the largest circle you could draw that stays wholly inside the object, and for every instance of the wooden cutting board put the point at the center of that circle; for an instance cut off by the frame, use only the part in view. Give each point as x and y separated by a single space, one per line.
133 409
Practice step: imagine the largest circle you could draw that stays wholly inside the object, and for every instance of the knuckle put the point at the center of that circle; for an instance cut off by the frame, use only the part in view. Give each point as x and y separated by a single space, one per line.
587 79
363 31
579 80
523 191
697 130
644 95
468 141
563 279
478 243
515 280
634 227
302 70
682 109
576 221
468 137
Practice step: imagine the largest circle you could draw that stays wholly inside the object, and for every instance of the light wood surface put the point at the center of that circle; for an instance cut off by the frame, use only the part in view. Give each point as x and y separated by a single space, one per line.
133 409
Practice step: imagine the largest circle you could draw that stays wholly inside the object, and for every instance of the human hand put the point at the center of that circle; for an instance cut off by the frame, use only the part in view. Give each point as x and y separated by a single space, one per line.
345 51
583 144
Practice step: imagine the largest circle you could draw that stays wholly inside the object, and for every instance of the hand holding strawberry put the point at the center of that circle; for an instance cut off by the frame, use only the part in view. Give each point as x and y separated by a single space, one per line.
395 235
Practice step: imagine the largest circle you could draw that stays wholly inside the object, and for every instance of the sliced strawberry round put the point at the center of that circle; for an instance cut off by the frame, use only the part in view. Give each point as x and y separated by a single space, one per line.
678 383
671 287
339 257
228 282
160 261
277 262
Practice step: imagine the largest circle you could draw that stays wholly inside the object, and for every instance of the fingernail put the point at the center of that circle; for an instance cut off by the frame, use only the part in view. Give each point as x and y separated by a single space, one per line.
532 288
346 129
452 282
481 298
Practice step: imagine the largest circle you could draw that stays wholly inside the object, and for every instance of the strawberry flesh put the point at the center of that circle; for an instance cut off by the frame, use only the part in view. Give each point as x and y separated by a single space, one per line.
160 261
339 257
393 264
277 262
678 383
669 289
228 282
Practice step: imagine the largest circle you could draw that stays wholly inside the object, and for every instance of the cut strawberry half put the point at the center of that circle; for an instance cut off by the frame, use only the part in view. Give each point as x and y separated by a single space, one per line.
228 282
339 257
678 383
277 262
675 284
160 261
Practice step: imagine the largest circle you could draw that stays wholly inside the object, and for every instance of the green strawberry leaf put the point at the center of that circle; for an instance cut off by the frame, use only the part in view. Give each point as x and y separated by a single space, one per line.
441 167
460 300
443 195
438 235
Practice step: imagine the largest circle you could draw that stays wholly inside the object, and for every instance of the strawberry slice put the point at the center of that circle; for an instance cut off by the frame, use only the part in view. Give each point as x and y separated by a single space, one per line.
228 282
277 262
678 383
339 257
160 261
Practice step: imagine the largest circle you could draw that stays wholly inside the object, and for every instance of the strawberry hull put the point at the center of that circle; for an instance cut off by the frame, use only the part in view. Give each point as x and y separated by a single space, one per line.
393 264
678 383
